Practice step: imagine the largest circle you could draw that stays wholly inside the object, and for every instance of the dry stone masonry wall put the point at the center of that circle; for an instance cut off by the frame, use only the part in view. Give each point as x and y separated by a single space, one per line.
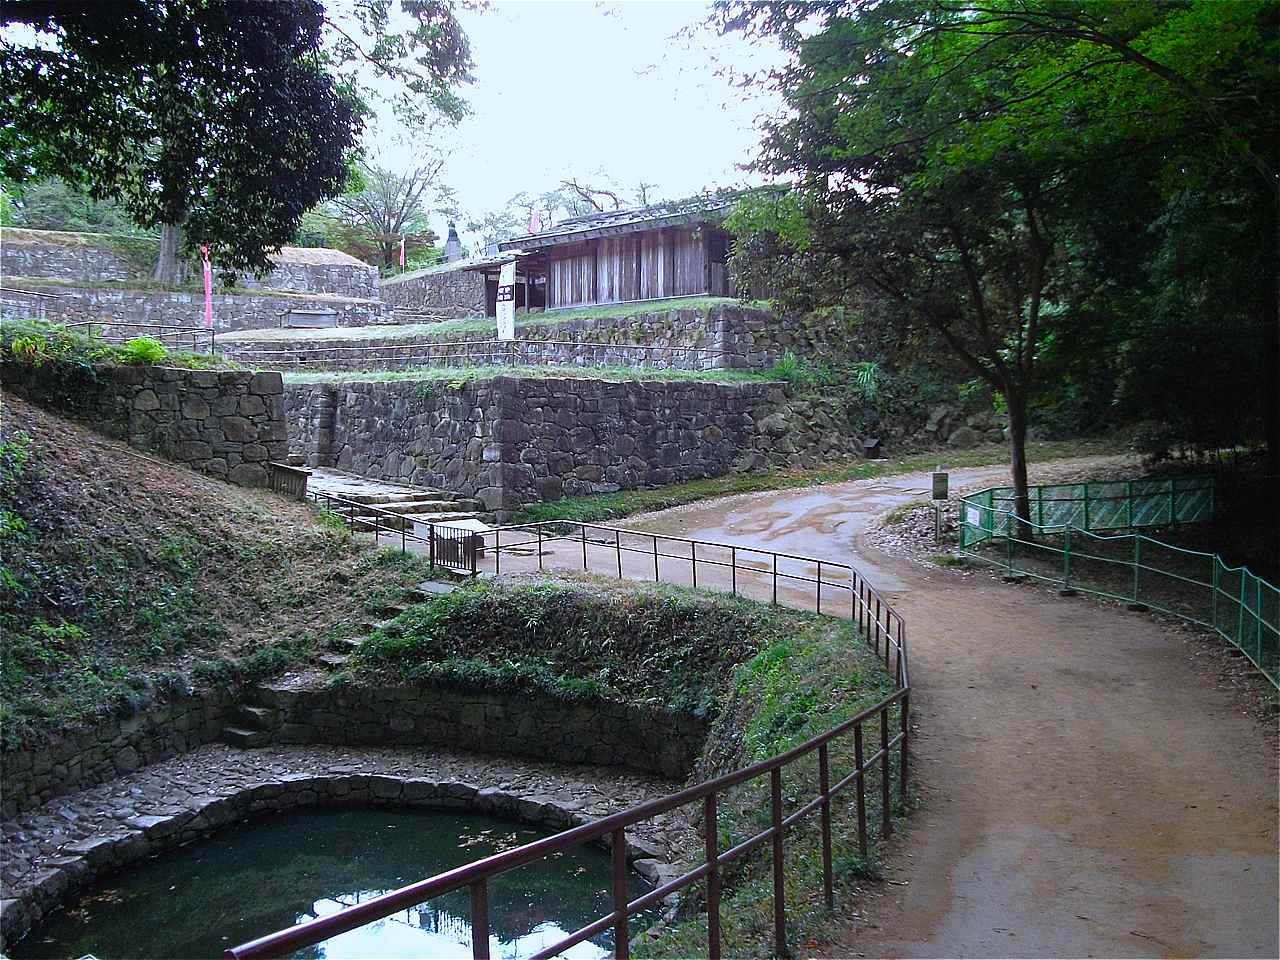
446 293
514 440
224 423
231 311
93 258
734 336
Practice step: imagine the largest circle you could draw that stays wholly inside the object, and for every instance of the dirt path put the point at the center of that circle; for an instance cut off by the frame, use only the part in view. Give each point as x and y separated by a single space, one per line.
1087 792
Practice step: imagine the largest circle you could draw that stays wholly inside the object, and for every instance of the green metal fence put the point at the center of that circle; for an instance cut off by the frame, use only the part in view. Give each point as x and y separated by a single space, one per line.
1241 607
1115 505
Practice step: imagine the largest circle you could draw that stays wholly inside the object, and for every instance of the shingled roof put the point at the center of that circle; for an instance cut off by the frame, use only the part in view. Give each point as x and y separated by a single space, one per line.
613 222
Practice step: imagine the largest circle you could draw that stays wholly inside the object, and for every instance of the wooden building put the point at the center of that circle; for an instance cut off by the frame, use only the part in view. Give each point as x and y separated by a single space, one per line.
621 256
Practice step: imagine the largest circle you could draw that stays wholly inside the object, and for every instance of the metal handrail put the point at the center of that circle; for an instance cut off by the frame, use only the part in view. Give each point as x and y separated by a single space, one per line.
175 331
476 875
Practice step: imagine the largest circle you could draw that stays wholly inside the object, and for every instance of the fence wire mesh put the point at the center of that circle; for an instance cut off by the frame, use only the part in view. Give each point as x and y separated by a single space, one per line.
1199 587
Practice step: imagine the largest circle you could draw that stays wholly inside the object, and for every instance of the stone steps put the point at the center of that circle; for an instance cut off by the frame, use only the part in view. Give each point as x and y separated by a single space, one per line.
244 738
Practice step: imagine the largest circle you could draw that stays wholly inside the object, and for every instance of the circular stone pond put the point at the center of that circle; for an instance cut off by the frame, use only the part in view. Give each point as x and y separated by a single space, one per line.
261 875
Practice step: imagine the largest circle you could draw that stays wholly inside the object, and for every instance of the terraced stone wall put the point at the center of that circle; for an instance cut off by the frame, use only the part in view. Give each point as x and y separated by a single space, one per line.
231 311
516 440
651 740
224 423
446 293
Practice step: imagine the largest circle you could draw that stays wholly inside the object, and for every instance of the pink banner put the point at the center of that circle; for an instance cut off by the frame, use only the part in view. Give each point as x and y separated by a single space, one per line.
208 287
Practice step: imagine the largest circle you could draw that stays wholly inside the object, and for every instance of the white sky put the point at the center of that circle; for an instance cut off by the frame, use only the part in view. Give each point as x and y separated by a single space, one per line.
574 88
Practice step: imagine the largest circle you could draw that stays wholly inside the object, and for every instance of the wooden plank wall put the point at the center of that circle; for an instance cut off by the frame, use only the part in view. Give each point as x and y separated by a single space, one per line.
640 266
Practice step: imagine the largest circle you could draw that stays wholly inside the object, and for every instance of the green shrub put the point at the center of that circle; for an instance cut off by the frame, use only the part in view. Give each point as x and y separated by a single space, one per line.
143 350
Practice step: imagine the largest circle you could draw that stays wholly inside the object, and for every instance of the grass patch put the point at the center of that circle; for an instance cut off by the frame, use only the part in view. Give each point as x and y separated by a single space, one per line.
611 506
947 560
112 601
144 284
457 376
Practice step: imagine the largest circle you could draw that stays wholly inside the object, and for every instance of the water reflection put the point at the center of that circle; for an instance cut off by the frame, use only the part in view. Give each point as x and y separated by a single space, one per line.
270 873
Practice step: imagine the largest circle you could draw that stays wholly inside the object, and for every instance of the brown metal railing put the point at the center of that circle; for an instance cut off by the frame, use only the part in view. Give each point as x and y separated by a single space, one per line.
879 625
163 332
450 547
472 353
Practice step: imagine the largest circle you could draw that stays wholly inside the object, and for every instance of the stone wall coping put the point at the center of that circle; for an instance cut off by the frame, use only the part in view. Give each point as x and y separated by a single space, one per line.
235 785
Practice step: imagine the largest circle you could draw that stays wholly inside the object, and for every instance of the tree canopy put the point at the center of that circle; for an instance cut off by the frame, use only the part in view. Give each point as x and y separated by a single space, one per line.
230 118
1007 170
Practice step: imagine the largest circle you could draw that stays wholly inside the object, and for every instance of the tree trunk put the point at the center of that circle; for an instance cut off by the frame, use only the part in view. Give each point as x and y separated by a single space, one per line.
1016 404
167 264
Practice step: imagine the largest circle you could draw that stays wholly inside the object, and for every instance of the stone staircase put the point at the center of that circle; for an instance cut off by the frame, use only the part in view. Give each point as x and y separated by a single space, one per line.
256 720
413 506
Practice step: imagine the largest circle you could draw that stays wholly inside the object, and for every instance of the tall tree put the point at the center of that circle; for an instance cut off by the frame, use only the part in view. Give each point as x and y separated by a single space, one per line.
950 154
390 205
220 117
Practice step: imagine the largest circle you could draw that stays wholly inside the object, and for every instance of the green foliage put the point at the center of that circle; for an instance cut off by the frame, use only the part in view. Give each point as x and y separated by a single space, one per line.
220 118
52 204
142 351
75 355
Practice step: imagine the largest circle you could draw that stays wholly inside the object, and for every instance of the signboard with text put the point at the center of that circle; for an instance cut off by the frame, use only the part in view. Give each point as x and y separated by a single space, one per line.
507 302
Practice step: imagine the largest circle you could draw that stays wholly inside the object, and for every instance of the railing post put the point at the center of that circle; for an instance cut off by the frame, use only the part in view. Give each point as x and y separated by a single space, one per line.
497 551
824 788
539 529
655 559
712 831
1066 559
693 552
859 761
621 929
1137 562
779 889
404 536
583 529
775 579
431 536
904 720
886 815
1213 600
818 588
733 570
480 919
617 546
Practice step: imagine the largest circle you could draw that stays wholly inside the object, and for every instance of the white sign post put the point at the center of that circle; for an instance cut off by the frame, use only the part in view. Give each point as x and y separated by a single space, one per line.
507 302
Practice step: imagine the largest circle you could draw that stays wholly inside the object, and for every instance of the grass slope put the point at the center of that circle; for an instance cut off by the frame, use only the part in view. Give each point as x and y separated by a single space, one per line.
125 577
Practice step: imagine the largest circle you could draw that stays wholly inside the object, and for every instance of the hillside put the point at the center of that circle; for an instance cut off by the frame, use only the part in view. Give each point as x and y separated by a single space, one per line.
124 576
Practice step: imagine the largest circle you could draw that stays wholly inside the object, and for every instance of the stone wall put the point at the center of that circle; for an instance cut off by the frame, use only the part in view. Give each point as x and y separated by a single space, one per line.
87 756
446 293
512 440
231 311
78 262
343 279
735 336
224 423
92 258
648 739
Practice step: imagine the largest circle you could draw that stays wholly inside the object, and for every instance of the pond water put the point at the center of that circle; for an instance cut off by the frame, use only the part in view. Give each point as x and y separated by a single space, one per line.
265 874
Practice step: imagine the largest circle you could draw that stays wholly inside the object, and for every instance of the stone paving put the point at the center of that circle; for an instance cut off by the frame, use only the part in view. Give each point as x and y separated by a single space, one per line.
50 851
